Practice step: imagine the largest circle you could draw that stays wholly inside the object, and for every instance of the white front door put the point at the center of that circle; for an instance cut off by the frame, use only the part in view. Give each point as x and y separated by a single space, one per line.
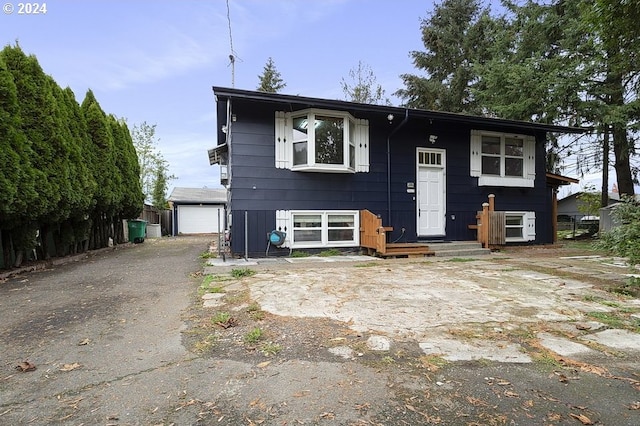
431 194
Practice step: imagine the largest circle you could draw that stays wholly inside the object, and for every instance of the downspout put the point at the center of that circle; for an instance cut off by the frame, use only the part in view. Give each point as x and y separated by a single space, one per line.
402 123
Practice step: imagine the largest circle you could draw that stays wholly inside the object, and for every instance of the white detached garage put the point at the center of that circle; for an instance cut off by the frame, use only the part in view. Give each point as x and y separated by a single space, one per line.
197 210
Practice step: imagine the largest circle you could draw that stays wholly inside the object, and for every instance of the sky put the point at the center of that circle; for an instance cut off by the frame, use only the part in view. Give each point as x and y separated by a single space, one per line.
156 61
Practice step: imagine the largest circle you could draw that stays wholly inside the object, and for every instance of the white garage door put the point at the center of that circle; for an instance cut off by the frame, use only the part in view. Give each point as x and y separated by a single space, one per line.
199 219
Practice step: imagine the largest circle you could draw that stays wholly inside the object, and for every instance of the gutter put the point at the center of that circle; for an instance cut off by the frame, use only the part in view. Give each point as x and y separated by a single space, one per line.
393 131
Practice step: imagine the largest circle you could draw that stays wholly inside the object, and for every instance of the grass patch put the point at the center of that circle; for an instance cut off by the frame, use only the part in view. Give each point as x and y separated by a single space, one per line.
270 348
253 336
299 253
366 265
629 288
592 298
208 255
330 252
433 363
546 359
460 259
221 317
242 272
608 318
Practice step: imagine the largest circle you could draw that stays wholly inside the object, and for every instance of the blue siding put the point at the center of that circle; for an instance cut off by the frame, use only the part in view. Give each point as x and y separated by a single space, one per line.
259 188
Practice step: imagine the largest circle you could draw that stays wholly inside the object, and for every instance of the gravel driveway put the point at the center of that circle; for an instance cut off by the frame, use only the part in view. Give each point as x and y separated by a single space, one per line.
137 335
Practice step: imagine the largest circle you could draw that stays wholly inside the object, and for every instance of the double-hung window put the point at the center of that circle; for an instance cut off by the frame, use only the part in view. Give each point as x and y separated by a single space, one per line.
500 159
322 141
520 226
319 229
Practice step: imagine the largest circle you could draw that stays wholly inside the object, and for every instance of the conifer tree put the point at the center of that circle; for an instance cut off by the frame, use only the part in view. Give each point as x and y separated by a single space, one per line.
271 81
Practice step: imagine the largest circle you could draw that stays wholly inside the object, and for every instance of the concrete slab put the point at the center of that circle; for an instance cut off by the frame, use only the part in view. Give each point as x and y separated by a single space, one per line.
457 350
563 346
617 339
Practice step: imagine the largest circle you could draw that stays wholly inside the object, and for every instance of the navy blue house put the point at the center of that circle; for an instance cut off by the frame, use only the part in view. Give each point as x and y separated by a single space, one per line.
308 166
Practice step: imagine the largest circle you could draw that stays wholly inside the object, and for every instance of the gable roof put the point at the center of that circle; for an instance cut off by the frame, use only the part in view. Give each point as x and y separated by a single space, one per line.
302 102
198 195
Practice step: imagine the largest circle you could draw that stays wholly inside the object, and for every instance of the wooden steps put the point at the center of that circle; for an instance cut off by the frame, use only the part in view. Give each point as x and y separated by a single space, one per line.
402 250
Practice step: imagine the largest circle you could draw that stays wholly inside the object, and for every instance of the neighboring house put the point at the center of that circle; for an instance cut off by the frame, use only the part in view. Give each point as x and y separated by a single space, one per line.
309 166
569 207
198 210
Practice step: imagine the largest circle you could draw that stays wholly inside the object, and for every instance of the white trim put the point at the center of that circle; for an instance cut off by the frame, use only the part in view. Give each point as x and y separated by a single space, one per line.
442 167
284 142
528 226
285 222
528 161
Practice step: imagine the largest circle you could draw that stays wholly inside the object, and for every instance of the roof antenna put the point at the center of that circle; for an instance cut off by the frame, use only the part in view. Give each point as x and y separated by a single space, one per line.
232 56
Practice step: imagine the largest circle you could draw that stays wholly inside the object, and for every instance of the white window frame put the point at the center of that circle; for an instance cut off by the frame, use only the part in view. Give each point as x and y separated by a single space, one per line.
528 161
355 136
528 226
285 220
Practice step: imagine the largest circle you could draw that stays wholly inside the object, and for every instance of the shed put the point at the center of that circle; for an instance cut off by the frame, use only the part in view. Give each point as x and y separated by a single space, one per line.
198 210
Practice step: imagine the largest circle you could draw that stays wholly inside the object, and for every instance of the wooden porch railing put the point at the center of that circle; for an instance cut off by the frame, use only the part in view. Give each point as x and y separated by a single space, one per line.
490 224
372 234
373 237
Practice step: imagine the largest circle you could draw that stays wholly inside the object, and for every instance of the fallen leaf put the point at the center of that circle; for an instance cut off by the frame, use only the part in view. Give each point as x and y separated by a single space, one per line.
25 366
503 383
583 419
635 406
84 342
510 394
70 367
263 364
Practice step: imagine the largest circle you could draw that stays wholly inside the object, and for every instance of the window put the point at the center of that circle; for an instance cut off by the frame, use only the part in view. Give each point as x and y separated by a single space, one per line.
520 226
499 159
318 229
321 140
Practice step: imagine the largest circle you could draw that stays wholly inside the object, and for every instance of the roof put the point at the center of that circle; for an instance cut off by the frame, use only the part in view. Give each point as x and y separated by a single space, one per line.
198 195
301 102
558 180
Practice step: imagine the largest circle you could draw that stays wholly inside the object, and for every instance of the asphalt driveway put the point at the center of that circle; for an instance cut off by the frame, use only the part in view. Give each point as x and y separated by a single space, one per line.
129 337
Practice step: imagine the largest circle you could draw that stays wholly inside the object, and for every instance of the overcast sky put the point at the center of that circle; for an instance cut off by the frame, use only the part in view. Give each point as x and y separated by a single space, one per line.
156 61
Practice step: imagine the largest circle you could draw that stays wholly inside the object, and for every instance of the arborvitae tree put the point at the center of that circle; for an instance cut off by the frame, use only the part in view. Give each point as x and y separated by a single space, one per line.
271 81
454 38
17 176
131 199
107 192
363 88
159 200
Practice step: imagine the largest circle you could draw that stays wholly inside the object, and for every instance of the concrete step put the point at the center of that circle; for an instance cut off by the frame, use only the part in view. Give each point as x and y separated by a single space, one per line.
463 253
458 248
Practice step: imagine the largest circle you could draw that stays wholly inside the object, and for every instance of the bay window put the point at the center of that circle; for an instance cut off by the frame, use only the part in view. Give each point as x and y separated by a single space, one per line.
322 141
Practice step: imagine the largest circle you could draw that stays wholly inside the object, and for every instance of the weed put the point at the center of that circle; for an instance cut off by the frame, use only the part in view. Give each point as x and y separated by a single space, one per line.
221 317
388 360
270 348
611 303
460 259
255 312
299 253
330 252
206 344
242 272
238 297
545 358
253 336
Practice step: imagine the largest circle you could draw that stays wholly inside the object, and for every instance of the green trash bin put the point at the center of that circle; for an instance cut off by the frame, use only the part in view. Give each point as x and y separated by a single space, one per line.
137 230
